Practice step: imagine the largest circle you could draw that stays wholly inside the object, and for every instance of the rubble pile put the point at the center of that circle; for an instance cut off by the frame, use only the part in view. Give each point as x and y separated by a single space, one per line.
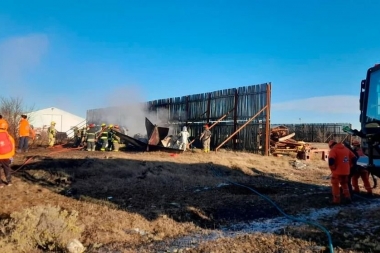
282 142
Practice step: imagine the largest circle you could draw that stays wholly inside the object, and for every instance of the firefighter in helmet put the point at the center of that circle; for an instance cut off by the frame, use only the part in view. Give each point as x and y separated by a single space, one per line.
52 133
206 138
91 137
102 136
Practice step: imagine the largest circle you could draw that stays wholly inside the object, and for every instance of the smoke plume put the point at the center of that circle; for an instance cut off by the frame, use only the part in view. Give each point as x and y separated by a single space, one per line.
128 108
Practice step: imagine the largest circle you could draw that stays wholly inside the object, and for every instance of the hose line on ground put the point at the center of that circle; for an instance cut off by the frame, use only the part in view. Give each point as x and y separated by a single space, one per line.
331 247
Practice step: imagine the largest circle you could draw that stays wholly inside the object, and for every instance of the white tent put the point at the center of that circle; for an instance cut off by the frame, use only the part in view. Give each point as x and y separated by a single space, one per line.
64 120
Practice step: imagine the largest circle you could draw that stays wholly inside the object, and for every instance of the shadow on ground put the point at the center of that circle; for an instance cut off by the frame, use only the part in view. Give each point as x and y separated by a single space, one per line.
197 193
185 192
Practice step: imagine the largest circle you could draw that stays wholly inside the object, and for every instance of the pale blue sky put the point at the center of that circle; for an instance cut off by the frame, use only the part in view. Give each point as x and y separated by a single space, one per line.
79 55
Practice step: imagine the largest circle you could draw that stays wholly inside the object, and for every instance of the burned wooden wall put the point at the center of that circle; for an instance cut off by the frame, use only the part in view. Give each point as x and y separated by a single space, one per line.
322 132
237 106
244 106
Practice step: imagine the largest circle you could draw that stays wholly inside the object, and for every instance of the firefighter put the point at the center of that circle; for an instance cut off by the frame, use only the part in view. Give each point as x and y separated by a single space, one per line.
77 137
116 139
91 137
83 136
102 136
360 171
205 138
110 137
52 132
184 135
341 159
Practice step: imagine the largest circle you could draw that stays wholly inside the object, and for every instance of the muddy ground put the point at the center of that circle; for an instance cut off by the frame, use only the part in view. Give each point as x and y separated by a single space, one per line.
192 202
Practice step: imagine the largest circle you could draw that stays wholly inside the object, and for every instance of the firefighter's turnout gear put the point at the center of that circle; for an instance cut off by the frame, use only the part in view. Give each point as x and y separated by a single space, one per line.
184 138
83 136
360 172
206 139
114 140
91 138
52 133
102 136
341 159
77 137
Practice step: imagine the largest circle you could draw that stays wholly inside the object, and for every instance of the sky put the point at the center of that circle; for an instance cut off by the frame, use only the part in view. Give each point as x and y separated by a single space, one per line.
80 55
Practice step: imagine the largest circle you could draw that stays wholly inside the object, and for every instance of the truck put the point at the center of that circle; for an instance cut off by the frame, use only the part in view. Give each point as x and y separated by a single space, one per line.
369 133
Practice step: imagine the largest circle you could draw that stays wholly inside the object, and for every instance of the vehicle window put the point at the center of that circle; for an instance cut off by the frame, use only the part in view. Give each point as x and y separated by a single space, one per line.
373 105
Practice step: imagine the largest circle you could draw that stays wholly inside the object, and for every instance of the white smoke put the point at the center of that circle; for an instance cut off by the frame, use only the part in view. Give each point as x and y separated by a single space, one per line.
128 108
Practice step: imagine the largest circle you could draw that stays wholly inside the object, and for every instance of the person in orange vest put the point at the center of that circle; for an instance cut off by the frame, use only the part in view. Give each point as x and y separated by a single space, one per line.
23 132
341 159
2 120
7 151
360 171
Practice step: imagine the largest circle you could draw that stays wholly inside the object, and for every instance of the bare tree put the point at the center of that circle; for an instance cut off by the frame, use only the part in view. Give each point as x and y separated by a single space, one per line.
11 108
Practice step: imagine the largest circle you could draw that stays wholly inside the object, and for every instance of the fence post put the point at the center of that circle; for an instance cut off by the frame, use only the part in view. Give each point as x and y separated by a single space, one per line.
187 110
236 97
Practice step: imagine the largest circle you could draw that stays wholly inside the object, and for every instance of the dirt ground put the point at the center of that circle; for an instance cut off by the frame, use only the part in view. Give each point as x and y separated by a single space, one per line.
192 202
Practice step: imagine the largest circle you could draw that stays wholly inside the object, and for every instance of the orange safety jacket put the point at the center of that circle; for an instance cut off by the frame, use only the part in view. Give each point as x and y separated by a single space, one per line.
24 127
341 159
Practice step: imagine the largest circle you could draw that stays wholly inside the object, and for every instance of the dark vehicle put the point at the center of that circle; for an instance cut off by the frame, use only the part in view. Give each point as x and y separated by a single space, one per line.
370 121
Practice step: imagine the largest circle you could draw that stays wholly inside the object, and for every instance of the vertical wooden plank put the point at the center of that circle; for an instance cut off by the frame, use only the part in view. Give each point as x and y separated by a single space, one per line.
187 110
236 102
208 107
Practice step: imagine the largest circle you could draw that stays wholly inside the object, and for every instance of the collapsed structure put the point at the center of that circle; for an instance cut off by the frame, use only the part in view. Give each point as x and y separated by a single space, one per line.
157 139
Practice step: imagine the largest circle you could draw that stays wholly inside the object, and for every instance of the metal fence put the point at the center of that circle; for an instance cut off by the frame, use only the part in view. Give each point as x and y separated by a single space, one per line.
244 108
322 132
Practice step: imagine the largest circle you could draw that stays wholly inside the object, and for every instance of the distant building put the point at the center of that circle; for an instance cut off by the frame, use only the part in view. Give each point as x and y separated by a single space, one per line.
65 121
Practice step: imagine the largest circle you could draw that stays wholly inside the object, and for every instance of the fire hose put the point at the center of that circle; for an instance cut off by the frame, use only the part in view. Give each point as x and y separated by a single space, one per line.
51 153
295 219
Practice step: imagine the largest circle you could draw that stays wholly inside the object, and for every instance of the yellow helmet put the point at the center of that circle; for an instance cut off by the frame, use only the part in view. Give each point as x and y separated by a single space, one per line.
52 123
110 126
103 124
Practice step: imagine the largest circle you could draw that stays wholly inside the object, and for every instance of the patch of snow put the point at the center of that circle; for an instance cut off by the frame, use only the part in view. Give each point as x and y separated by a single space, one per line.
269 225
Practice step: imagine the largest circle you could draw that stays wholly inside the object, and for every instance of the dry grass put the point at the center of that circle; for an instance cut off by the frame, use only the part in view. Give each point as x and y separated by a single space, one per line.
130 201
